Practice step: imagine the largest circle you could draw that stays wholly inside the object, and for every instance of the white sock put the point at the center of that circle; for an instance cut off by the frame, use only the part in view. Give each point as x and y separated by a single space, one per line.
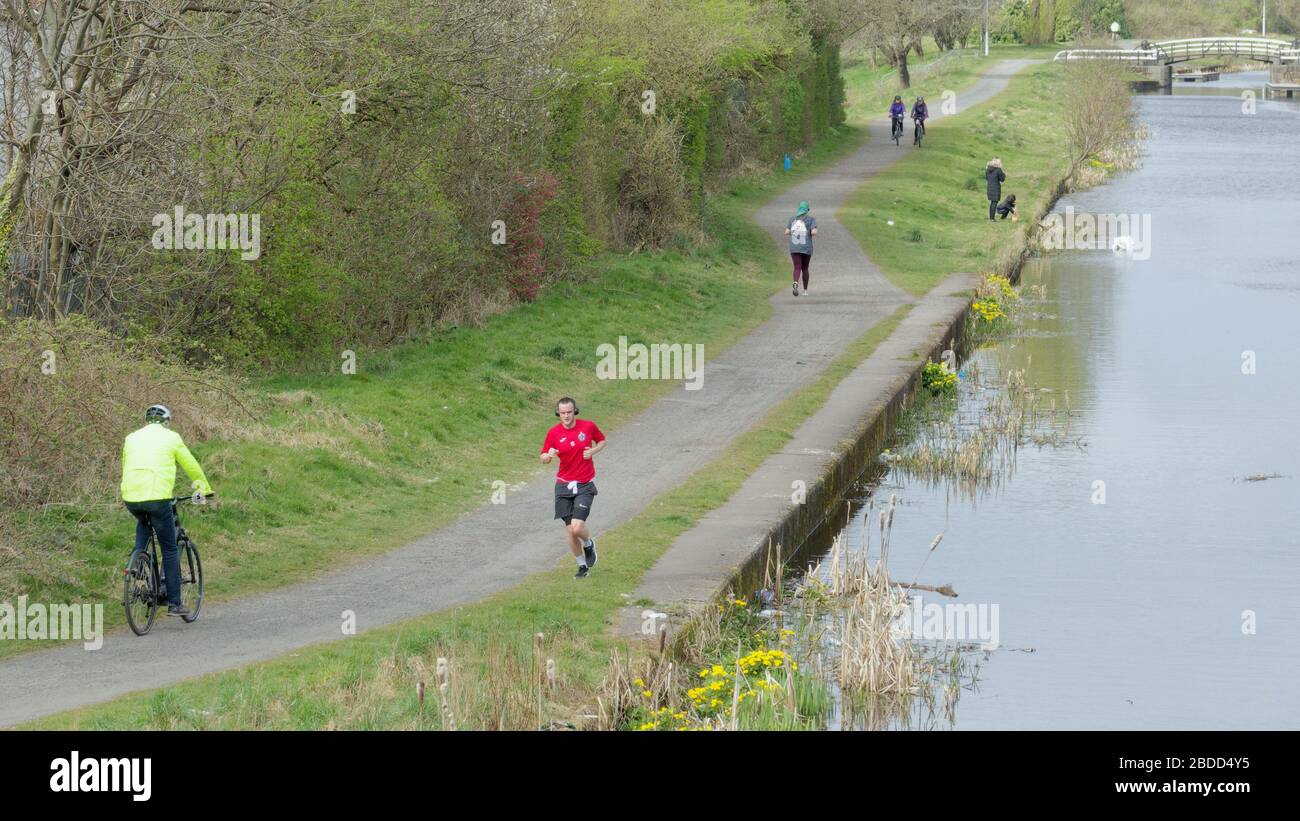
589 543
582 560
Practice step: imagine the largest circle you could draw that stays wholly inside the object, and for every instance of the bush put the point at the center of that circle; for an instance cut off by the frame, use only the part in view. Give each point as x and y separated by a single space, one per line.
72 392
652 188
938 380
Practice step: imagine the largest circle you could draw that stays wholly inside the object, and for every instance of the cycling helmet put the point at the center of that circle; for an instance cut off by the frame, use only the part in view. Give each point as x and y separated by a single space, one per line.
158 413
898 98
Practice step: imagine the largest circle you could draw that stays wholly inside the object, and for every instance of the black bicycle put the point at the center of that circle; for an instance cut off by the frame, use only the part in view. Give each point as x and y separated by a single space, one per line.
918 131
145 587
896 128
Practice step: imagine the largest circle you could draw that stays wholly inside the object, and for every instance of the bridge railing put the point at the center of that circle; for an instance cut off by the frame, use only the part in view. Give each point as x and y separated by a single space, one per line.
1253 48
1134 55
1176 51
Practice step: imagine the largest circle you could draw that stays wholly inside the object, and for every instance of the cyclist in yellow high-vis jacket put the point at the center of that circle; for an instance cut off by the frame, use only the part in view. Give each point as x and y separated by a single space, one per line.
149 457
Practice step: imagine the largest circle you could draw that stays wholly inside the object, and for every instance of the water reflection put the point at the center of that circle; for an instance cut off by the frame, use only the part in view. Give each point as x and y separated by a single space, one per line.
1135 564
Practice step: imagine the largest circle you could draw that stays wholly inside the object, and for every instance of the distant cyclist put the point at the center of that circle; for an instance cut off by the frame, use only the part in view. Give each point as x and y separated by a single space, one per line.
920 113
897 112
801 229
574 442
149 458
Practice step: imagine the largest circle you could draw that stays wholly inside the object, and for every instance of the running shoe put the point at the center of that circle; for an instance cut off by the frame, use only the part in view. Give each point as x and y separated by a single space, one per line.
589 552
582 572
795 289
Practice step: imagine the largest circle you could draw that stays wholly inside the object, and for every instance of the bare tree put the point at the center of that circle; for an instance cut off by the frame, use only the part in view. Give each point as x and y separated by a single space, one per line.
87 111
1099 111
897 27
116 109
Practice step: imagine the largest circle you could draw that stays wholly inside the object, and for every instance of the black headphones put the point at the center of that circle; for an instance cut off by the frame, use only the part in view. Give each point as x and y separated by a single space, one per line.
557 408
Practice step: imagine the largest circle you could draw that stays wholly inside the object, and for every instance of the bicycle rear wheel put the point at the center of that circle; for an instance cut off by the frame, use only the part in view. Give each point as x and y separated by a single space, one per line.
191 579
139 593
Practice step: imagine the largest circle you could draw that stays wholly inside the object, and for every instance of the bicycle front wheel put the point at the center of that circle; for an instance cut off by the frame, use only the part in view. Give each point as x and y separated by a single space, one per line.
140 593
191 579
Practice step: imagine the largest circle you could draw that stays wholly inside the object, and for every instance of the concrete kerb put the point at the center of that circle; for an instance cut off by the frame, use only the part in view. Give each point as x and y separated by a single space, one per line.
746 537
731 548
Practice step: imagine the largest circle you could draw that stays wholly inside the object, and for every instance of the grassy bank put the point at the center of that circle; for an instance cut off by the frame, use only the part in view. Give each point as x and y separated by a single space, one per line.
936 195
328 470
319 472
369 682
871 90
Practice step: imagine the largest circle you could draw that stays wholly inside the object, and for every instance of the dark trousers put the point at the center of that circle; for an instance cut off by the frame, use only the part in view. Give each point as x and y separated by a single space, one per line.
801 266
157 517
993 206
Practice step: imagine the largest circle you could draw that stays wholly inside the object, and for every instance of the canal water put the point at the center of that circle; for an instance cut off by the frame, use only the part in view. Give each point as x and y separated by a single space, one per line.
1173 600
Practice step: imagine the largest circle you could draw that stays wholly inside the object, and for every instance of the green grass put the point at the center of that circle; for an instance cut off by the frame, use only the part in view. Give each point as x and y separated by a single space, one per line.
340 468
936 195
870 90
368 682
288 512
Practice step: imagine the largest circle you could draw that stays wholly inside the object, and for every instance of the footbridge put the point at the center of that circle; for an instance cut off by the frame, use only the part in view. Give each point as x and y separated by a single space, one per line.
1152 63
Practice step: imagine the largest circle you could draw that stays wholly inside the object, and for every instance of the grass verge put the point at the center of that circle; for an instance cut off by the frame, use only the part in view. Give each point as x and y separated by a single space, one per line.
496 666
936 196
332 469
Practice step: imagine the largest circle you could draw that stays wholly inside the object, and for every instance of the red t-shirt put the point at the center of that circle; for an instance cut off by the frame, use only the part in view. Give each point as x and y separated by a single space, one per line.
570 442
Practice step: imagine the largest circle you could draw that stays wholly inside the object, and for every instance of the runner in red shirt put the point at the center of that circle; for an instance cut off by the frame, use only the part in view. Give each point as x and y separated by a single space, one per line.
575 441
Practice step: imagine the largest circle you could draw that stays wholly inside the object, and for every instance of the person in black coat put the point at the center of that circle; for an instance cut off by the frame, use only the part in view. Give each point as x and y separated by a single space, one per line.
994 175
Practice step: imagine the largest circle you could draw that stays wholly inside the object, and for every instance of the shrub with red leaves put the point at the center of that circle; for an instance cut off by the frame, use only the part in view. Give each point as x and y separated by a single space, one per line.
527 269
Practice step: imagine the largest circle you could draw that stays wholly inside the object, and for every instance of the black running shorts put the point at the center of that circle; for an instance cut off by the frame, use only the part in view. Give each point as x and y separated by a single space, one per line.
573 500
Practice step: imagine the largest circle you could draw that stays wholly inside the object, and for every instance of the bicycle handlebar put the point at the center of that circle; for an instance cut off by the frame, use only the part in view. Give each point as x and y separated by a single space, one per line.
190 497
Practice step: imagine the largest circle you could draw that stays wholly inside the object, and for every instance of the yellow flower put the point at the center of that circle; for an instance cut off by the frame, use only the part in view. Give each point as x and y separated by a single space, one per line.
646 693
639 683
649 725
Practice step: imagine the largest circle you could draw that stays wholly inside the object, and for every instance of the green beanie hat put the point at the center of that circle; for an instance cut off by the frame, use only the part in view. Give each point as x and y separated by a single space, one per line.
803 208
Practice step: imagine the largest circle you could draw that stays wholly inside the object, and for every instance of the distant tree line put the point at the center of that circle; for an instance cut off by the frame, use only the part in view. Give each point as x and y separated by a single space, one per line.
408 163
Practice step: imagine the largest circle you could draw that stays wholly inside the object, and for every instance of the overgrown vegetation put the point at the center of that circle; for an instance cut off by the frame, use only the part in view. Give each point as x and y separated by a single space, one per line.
379 143
1035 22
1210 18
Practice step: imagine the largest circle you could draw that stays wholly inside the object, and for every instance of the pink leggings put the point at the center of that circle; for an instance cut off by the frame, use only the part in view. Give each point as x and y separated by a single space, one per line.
801 264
